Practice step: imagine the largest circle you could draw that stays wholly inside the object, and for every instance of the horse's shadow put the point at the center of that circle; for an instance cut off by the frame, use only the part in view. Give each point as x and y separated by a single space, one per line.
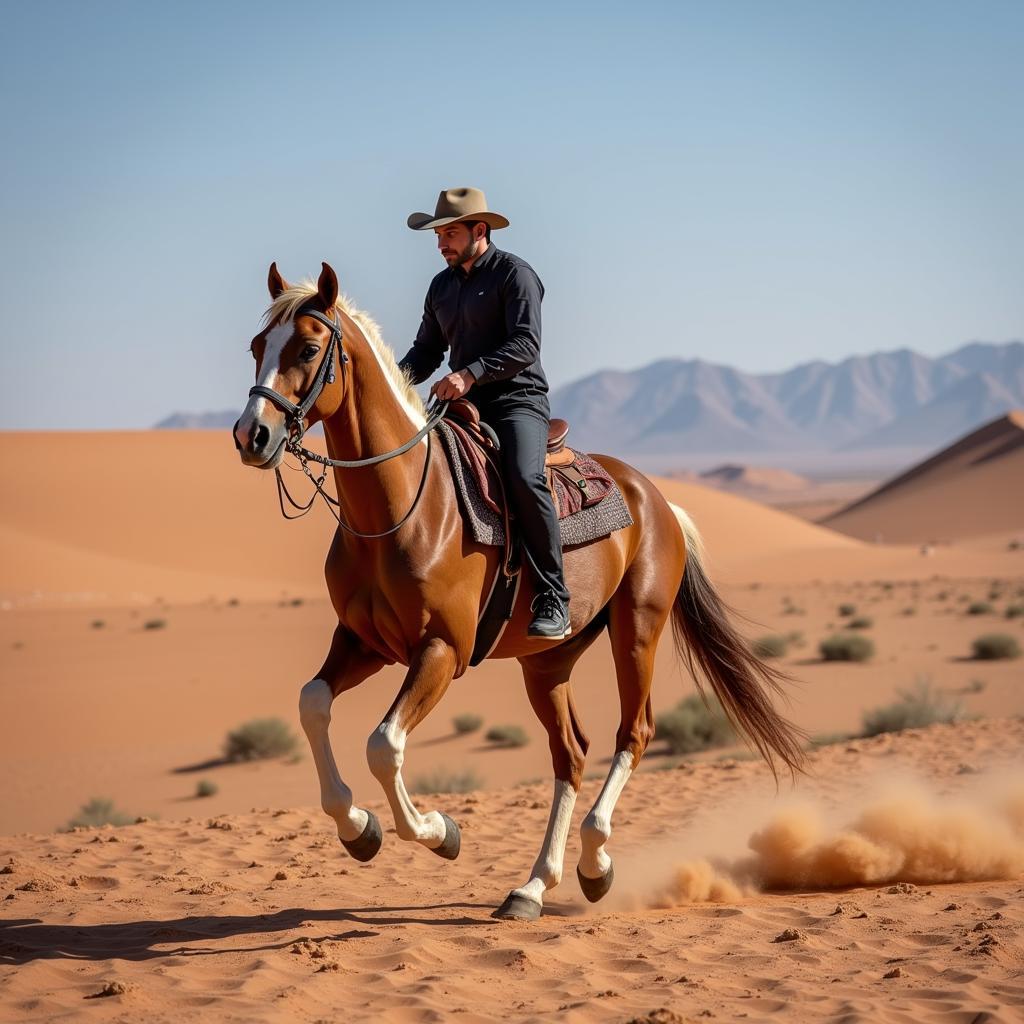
27 939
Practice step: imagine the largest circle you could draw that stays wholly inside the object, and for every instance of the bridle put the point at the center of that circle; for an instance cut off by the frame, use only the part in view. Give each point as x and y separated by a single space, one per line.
296 414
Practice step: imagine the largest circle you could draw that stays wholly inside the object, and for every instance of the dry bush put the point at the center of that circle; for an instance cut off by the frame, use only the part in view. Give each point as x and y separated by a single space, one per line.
846 609
693 725
980 608
861 622
995 646
466 723
507 736
915 709
258 740
155 624
445 780
97 812
846 647
204 787
771 646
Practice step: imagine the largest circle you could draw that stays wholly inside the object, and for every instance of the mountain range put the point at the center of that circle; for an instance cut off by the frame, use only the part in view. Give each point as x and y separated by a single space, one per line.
886 400
889 399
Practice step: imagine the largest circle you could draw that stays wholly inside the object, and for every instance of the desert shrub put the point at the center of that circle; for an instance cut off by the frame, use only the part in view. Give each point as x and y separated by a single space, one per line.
994 646
771 646
846 647
99 623
259 739
915 709
444 780
1014 611
861 622
97 812
980 608
204 787
693 725
463 724
507 736
909 610
154 624
846 609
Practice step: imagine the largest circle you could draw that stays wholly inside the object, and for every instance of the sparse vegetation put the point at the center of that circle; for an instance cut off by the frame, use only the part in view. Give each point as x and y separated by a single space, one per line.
980 608
204 787
155 624
258 740
846 647
466 723
771 646
909 610
97 812
995 646
97 624
1014 611
861 622
444 780
846 609
507 736
693 725
915 709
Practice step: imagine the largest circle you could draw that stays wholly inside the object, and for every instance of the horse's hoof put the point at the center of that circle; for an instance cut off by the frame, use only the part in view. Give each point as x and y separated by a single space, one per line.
367 845
518 908
596 888
452 843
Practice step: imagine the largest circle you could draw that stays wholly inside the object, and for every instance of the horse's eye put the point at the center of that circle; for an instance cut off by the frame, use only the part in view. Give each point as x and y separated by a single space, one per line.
309 353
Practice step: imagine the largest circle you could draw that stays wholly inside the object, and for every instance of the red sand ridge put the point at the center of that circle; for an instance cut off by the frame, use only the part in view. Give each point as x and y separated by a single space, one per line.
972 488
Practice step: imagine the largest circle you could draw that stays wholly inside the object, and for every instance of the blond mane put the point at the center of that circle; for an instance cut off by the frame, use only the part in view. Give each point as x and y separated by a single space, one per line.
287 304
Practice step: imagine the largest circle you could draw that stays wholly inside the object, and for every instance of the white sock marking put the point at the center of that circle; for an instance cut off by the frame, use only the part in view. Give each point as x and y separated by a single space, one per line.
597 825
547 871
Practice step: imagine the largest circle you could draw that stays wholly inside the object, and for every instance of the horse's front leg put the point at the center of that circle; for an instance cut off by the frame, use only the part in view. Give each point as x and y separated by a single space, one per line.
430 672
347 665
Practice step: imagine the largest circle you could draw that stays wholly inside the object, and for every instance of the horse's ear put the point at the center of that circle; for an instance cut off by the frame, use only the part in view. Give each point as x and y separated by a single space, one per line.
327 287
275 282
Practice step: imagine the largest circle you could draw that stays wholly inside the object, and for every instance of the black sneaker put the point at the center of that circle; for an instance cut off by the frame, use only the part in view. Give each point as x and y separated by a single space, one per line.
550 618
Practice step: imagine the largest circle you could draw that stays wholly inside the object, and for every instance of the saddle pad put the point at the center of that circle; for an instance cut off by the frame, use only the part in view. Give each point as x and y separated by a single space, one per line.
486 526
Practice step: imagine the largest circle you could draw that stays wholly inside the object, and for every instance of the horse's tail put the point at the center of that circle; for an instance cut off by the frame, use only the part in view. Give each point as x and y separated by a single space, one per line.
742 682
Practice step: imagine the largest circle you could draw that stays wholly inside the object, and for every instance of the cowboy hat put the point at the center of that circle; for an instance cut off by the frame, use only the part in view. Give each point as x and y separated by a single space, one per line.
454 205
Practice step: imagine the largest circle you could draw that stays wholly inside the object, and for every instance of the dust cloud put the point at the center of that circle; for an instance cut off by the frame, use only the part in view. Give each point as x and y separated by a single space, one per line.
900 834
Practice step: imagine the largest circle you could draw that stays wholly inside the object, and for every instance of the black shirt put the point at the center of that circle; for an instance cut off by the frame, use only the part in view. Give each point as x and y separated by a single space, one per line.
490 319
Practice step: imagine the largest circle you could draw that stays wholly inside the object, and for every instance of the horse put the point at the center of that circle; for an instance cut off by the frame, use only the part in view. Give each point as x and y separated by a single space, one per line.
407 583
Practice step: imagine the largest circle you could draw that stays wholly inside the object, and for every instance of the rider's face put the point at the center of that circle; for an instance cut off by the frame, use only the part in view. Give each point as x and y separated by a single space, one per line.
458 243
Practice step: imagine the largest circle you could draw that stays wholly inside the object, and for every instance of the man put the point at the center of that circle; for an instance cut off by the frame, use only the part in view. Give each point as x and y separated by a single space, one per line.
485 308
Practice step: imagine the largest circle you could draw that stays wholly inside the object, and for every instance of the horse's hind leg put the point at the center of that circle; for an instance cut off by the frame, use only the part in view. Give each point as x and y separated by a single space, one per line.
430 672
547 684
635 622
346 666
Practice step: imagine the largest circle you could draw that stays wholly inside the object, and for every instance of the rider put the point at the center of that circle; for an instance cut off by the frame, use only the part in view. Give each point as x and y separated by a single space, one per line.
486 308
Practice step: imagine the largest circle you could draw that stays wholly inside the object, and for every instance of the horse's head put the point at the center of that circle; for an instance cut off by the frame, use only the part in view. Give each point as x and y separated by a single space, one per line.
292 368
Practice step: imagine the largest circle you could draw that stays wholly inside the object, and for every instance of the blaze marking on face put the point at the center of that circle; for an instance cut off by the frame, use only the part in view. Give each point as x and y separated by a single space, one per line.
277 338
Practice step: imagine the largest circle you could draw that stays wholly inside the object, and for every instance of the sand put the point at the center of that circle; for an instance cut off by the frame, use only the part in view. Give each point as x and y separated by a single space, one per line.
151 599
260 916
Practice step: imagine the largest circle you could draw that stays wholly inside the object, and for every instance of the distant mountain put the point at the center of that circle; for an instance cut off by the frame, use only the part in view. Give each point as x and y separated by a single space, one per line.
889 399
199 420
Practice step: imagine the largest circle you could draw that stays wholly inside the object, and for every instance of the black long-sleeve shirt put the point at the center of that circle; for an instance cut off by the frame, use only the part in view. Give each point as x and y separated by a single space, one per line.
490 319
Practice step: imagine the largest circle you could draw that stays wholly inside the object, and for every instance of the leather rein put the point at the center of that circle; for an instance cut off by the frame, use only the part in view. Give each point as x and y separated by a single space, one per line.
294 419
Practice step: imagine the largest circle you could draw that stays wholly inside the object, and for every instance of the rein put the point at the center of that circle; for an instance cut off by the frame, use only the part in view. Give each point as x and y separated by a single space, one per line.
295 414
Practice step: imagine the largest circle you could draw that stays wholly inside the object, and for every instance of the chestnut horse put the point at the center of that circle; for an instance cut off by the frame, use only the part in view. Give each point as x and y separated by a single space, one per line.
407 582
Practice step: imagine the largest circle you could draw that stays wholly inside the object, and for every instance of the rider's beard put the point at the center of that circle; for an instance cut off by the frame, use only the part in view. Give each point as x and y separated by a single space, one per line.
465 254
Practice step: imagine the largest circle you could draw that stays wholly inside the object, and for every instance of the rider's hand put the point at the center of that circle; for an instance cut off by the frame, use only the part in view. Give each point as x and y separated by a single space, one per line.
454 385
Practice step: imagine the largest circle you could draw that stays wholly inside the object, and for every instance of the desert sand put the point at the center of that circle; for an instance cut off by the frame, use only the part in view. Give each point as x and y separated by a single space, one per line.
152 599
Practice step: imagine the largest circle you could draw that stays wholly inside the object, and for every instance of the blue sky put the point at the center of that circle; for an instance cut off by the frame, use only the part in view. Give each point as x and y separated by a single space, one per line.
752 183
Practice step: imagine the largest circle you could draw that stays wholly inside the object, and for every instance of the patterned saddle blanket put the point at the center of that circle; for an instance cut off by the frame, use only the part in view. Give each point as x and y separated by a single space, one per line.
588 501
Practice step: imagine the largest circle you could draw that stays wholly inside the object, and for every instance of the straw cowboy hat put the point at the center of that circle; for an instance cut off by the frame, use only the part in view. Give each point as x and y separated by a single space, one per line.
454 205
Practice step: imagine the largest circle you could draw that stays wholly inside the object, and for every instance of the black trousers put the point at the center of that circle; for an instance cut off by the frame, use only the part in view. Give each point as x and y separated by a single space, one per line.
521 422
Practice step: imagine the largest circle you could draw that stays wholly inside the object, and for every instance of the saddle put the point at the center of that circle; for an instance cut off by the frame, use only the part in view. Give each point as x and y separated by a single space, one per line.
574 479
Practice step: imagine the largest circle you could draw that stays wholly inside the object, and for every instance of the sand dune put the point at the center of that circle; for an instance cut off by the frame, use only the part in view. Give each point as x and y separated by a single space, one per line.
972 488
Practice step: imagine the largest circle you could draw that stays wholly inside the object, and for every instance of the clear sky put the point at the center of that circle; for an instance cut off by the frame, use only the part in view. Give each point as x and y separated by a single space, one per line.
754 183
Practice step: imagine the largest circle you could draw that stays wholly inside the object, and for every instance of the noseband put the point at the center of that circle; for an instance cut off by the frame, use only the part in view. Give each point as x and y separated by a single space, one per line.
294 421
